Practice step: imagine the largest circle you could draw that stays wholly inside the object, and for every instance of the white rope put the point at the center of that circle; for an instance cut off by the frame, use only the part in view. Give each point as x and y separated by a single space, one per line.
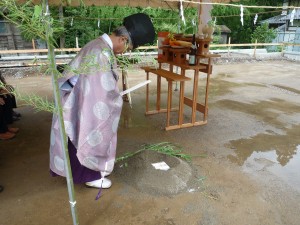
235 5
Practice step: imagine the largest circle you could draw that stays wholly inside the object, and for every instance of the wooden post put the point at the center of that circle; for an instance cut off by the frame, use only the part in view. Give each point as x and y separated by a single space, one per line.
147 93
229 40
254 52
77 46
199 18
62 36
33 43
127 97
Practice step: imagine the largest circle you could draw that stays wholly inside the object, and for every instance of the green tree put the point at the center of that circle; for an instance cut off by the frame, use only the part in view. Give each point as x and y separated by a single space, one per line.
85 20
263 34
230 16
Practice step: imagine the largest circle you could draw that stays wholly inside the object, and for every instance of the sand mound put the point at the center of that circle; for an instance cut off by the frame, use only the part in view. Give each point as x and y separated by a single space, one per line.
139 172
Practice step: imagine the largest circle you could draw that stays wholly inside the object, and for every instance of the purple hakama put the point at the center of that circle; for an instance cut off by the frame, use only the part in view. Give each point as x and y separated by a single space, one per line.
80 173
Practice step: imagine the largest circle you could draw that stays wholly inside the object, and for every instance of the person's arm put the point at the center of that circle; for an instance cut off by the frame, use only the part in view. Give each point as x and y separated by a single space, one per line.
2 102
4 92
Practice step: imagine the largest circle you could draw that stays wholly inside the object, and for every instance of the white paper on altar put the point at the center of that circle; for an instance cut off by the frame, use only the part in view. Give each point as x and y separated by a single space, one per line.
161 166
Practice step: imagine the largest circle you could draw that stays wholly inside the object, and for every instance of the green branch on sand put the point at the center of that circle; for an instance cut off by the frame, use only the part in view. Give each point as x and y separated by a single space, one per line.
163 147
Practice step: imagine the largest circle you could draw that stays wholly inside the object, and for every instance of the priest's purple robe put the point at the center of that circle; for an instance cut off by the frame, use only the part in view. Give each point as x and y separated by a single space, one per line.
91 109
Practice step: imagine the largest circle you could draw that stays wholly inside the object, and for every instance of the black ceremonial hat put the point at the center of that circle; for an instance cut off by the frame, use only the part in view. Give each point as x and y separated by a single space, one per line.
140 29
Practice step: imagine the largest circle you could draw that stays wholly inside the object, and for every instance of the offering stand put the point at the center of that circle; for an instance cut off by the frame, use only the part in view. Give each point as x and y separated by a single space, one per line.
177 57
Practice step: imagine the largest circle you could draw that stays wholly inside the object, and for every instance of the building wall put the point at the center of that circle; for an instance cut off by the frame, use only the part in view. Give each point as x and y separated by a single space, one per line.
11 39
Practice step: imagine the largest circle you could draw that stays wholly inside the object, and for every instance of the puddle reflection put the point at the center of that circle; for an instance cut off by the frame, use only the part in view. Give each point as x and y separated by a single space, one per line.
286 167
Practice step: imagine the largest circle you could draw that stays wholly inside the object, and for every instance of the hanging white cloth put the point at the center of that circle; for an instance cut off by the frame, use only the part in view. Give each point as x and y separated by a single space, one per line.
242 15
292 17
181 13
98 23
255 19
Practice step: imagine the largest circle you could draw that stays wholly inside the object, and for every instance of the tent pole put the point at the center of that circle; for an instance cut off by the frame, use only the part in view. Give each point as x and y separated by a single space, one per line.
54 73
199 18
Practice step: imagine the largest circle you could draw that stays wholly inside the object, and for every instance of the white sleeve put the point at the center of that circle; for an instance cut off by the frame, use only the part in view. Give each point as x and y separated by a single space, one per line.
73 80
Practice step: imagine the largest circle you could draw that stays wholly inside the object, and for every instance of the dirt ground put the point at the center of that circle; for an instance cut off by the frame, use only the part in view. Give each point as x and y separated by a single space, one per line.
245 166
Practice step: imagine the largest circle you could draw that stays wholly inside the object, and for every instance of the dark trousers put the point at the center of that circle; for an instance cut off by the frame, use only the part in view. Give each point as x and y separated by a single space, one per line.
6 112
3 123
10 103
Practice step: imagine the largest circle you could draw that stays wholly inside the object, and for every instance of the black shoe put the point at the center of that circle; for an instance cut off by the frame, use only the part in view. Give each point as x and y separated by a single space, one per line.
16 118
1 188
16 114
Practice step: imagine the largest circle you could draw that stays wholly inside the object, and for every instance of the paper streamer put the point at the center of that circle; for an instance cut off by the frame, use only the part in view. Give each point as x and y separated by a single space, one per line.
98 23
292 17
181 12
135 87
242 15
255 19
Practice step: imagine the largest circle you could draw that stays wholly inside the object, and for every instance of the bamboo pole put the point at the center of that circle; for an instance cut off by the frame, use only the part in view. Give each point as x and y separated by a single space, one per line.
199 18
254 52
229 40
77 46
282 47
52 66
33 43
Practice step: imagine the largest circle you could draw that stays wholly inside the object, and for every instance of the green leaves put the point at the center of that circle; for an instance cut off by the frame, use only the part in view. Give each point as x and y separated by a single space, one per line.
37 11
163 147
230 16
263 34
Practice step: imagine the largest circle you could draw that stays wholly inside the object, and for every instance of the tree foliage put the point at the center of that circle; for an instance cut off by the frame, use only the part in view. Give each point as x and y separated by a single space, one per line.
230 16
88 23
82 22
263 34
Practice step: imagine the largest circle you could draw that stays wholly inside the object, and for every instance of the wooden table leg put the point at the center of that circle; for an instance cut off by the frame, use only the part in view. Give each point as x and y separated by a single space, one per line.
195 95
125 97
206 91
147 93
181 100
206 99
158 90
158 93
169 102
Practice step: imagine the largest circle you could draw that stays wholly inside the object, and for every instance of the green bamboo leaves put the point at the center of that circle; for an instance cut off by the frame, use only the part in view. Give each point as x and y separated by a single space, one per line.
37 102
163 147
